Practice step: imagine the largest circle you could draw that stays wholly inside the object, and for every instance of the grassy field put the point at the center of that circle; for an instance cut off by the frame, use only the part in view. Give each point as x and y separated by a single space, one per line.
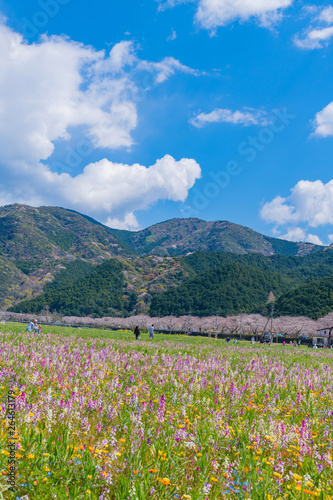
95 414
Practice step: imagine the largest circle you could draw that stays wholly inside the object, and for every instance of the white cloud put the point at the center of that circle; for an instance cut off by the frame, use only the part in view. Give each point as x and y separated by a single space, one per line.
211 14
318 34
294 234
330 237
115 187
298 234
166 68
323 123
105 187
51 88
245 117
278 211
310 202
313 238
173 36
315 38
326 15
214 13
129 222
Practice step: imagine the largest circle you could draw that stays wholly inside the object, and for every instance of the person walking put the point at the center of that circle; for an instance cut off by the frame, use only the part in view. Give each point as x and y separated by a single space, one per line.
137 333
151 332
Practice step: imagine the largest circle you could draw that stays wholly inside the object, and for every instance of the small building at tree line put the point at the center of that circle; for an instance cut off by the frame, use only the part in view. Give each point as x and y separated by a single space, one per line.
324 336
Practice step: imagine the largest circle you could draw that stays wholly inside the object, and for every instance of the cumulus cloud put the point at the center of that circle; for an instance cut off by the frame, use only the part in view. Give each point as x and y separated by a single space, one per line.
245 117
105 188
129 222
299 234
310 202
320 31
326 15
323 123
54 87
211 14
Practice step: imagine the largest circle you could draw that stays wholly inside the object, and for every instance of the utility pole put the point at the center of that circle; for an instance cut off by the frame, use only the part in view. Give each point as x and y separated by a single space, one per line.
171 323
188 323
217 326
272 314
241 325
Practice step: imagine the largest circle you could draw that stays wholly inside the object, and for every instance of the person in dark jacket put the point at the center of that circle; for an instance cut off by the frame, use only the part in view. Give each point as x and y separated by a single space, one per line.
137 333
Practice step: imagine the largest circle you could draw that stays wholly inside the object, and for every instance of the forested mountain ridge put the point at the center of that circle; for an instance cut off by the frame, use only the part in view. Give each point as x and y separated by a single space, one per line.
60 260
182 236
226 290
313 300
35 243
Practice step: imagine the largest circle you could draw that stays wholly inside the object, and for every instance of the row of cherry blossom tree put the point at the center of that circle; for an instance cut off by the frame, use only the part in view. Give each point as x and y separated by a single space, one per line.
246 324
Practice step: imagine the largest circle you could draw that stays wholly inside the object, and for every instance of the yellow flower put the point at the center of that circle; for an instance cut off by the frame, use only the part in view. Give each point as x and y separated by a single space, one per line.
31 455
88 491
31 414
214 479
277 475
165 481
199 454
187 496
45 479
89 477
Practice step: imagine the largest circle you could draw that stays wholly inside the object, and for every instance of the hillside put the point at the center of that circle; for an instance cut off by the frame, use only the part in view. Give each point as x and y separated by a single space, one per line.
313 300
97 293
182 236
299 270
35 244
227 289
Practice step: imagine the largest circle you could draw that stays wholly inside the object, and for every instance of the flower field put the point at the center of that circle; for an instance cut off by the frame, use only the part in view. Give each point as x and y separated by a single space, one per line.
101 416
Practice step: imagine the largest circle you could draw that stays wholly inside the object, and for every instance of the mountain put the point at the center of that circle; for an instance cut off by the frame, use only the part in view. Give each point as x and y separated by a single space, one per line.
36 243
182 236
47 253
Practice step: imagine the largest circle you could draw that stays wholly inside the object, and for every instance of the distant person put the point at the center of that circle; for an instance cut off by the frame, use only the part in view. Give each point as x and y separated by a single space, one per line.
30 327
228 340
137 333
40 330
35 327
151 332
252 341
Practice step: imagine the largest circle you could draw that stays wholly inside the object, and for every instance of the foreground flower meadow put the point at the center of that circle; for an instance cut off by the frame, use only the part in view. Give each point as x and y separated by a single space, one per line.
110 418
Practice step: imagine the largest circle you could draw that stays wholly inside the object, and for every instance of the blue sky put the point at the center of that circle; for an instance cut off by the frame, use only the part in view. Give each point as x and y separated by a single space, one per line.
218 110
